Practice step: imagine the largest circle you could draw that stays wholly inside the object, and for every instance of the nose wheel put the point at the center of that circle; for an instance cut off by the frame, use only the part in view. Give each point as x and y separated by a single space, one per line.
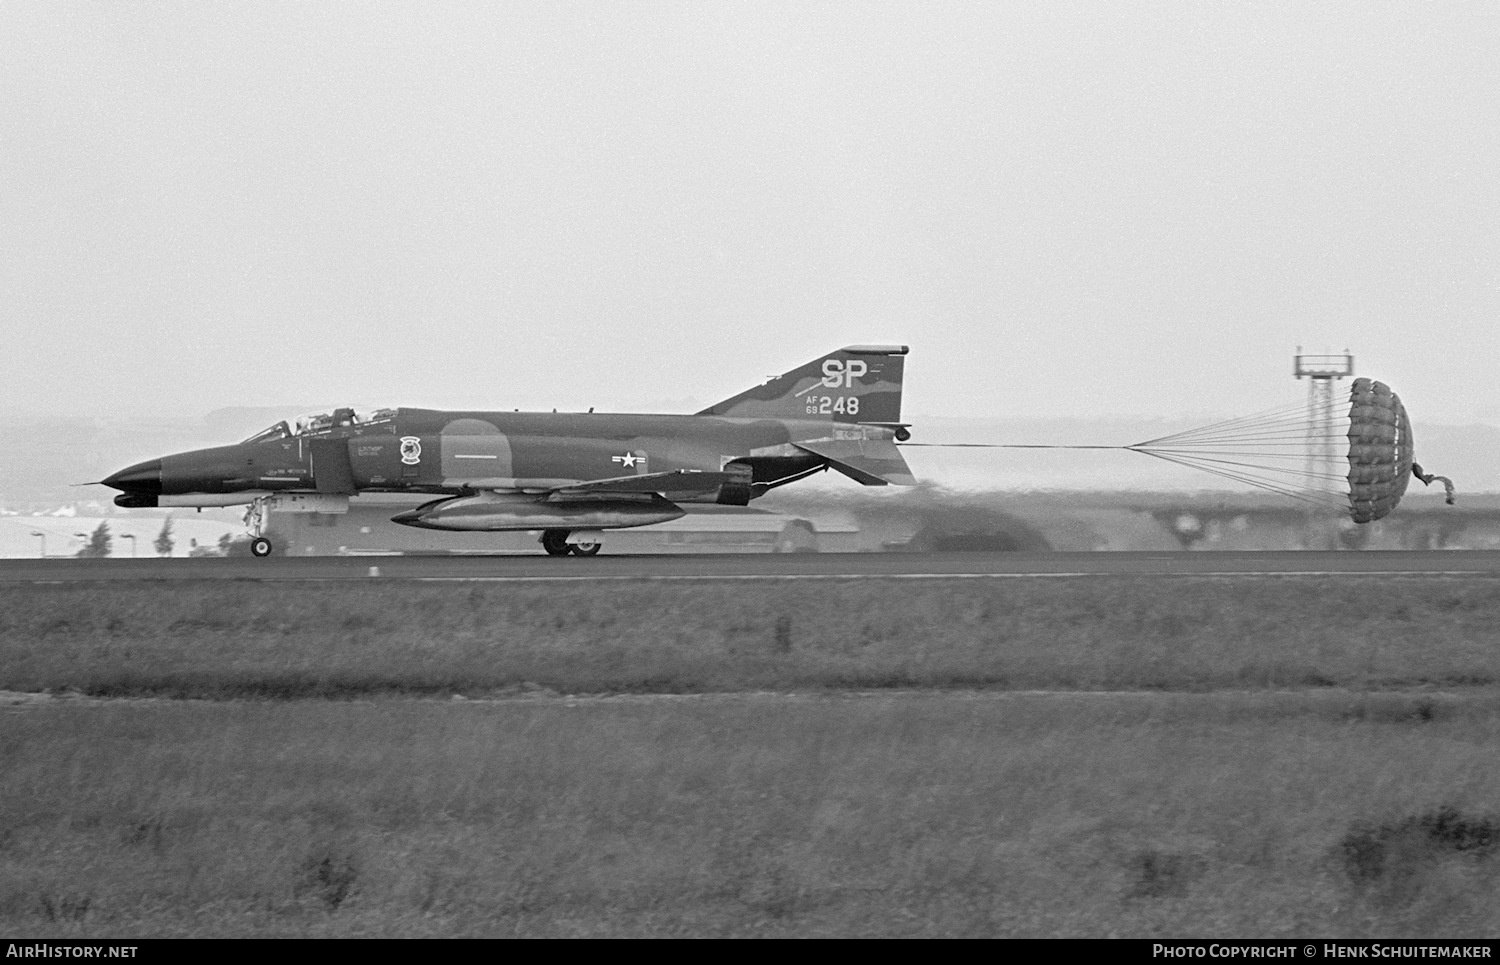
260 546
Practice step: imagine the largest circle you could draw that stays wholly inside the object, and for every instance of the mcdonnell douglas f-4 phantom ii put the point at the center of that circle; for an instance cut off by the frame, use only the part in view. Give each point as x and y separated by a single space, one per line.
569 475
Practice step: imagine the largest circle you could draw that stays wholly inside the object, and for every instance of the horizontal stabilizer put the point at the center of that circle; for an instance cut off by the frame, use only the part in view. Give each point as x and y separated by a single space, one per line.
872 462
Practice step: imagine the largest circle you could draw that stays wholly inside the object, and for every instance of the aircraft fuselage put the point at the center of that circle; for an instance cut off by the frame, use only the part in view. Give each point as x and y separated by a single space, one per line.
561 472
432 451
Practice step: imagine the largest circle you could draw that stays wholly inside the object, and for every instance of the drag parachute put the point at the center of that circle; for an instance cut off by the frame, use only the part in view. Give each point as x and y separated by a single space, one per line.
1352 453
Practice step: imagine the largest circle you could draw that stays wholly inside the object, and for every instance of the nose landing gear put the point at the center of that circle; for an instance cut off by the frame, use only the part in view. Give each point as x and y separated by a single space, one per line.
255 521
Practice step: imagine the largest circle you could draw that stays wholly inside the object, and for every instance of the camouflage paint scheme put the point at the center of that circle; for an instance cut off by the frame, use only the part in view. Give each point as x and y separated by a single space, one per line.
564 471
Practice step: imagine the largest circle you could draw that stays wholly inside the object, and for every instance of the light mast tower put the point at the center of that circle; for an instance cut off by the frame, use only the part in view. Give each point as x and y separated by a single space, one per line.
1321 371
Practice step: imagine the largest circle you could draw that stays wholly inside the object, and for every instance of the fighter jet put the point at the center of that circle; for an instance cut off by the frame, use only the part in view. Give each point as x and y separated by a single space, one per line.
572 476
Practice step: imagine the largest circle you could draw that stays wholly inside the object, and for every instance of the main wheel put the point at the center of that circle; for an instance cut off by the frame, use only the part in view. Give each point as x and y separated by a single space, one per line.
586 549
260 546
555 542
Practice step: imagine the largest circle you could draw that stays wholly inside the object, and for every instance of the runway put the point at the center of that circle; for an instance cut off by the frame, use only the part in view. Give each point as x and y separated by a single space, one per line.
797 566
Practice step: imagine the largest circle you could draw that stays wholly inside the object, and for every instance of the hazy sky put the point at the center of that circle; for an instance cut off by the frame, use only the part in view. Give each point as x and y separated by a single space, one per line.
1064 208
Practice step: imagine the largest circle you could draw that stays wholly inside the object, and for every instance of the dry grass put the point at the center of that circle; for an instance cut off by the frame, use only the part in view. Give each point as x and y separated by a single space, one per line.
1299 757
919 815
219 639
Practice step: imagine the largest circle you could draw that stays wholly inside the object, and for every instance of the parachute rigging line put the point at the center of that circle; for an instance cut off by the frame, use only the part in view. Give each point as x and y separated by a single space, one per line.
1351 452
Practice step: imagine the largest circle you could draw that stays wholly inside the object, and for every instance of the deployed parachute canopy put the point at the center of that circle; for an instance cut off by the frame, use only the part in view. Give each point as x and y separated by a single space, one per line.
1353 454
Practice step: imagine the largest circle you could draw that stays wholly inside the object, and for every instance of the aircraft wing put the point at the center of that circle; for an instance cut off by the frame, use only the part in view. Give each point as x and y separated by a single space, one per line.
673 482
873 462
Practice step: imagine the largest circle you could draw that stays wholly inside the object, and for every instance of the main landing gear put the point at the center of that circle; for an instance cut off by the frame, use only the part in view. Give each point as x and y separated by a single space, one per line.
260 546
555 542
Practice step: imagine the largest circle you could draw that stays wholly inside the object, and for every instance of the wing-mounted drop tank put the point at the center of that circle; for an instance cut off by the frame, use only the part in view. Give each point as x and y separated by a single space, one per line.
497 512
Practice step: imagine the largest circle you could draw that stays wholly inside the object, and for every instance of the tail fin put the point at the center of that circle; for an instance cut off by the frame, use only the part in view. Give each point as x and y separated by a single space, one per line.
858 383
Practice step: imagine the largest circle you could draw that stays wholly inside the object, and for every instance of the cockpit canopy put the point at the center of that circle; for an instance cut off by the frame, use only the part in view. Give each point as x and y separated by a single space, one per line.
323 423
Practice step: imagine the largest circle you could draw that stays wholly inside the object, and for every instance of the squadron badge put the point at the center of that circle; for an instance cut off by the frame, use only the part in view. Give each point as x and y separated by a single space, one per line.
411 450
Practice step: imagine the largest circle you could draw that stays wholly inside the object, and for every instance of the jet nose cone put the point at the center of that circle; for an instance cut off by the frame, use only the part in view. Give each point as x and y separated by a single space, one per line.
143 477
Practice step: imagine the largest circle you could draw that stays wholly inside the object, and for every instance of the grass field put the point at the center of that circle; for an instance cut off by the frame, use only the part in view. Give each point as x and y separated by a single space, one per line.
223 639
1276 757
1147 815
